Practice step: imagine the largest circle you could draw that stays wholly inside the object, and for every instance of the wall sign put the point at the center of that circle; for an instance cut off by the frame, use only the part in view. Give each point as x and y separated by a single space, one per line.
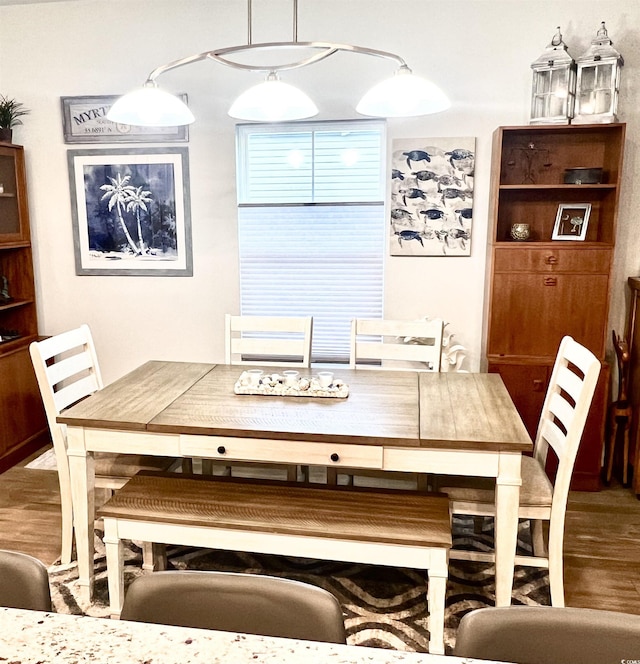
84 120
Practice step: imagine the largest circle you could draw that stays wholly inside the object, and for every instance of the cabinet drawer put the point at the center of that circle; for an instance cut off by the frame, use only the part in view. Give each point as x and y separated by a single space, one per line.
531 312
282 451
525 259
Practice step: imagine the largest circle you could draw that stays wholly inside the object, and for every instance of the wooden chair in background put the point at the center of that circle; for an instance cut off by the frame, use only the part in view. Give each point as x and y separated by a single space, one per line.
620 411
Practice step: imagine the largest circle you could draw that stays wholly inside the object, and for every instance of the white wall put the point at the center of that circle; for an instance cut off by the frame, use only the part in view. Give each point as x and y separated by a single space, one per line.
479 51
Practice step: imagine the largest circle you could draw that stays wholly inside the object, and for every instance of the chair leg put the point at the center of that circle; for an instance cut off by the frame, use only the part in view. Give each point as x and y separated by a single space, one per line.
154 556
556 575
625 454
67 530
537 538
423 482
187 466
332 476
613 435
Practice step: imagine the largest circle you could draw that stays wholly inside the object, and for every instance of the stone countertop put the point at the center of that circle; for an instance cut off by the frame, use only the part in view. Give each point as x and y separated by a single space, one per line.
32 637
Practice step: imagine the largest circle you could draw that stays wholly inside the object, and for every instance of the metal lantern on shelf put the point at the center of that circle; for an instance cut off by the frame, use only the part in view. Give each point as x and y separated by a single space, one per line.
553 91
598 81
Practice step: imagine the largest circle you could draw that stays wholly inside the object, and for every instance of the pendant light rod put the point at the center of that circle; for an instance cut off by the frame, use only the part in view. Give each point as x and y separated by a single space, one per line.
295 20
326 49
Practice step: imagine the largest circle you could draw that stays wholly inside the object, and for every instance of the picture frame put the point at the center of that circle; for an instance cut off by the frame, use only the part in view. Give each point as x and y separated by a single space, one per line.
431 189
84 121
572 221
131 211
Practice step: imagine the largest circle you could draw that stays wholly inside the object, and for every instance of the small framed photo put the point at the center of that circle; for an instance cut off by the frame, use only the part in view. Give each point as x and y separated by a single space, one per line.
572 220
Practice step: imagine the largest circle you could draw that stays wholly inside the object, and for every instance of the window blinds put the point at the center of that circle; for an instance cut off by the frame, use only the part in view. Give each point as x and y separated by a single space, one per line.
311 225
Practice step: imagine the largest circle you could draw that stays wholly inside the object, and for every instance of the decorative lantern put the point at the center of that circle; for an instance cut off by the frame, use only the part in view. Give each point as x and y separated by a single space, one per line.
553 93
598 81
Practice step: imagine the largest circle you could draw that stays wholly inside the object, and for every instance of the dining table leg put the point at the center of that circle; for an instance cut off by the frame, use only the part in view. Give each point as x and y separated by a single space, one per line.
507 497
82 477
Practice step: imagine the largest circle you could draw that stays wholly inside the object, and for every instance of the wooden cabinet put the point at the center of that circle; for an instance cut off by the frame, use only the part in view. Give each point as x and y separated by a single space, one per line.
23 426
542 289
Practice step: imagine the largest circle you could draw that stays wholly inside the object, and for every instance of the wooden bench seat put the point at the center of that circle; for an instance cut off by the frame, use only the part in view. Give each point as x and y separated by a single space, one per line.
380 527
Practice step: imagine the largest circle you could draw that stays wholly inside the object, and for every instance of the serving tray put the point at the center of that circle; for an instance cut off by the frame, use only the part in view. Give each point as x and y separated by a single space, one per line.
273 385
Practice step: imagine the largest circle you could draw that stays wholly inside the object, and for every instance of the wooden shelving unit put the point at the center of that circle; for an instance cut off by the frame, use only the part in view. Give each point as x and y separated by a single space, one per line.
542 289
23 426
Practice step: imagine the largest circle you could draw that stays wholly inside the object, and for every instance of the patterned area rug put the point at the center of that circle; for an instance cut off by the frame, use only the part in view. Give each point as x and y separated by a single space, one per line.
384 607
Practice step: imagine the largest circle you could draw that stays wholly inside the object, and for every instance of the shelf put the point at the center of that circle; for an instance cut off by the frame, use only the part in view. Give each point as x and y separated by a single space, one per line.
18 244
14 344
552 244
558 187
14 304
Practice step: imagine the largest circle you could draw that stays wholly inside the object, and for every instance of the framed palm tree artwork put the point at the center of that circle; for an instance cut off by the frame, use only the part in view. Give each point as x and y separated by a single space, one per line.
131 211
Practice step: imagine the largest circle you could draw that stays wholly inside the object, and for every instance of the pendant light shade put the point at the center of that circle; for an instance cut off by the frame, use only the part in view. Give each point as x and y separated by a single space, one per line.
150 106
273 101
403 95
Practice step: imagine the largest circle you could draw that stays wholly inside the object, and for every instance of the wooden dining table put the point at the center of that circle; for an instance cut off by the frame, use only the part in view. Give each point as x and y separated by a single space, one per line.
413 422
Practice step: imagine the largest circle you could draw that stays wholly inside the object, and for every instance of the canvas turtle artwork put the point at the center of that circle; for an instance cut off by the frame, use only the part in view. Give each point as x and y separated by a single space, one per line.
431 207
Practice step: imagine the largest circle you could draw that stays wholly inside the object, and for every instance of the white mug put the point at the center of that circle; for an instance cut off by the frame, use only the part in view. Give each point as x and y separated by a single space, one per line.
325 378
290 377
254 376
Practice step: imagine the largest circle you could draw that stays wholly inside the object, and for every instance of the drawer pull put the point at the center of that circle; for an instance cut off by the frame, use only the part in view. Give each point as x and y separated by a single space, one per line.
335 457
538 385
551 281
222 449
551 260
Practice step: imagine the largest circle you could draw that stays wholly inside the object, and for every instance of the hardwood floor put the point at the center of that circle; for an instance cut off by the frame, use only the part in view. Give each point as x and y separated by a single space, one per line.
602 540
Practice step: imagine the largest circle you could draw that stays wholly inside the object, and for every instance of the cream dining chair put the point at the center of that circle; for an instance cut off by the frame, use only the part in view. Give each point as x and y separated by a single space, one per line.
66 368
564 412
385 345
267 341
271 341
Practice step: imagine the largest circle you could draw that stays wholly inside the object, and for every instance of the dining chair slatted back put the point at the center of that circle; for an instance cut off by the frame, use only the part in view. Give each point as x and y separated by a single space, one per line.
380 344
67 370
547 635
24 582
566 406
268 340
234 602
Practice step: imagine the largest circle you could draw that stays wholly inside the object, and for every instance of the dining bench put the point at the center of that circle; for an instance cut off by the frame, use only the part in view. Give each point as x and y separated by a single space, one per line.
372 526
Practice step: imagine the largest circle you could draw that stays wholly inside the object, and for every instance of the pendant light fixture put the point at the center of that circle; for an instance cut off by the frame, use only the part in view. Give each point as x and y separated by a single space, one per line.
273 100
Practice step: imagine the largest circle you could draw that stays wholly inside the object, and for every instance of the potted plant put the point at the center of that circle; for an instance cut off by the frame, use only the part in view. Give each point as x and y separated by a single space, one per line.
10 113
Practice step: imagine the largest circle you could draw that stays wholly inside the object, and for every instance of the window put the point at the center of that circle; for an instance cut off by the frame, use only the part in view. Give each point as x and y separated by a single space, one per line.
311 225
